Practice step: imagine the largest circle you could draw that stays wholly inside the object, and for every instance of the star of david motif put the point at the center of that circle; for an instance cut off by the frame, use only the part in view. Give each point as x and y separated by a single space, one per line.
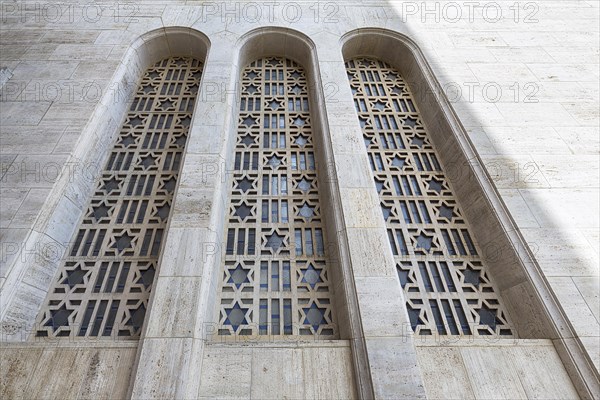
275 241
127 140
235 316
101 211
379 105
472 276
243 211
446 212
148 161
304 185
136 121
123 242
245 184
136 319
110 185
59 317
185 121
147 277
247 140
163 211
249 121
311 275
306 212
74 277
170 184
165 105
275 161
251 89
239 276
410 121
274 105
301 141
436 185
424 242
314 316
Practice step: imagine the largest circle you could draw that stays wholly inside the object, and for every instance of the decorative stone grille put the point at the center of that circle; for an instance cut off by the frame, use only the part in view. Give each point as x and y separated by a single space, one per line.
446 285
103 286
275 278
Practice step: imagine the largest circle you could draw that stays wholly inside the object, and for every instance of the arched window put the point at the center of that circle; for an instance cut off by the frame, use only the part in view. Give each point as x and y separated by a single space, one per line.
274 278
103 286
446 285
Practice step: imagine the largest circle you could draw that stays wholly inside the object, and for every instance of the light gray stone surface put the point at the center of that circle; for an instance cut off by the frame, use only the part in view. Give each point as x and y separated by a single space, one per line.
75 372
518 369
538 143
268 371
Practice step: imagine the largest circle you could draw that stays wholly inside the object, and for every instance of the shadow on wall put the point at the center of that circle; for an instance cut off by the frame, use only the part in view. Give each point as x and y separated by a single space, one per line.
533 306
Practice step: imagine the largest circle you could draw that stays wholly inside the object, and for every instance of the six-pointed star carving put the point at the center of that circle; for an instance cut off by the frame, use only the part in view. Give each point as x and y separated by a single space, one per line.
311 275
166 104
128 140
123 242
137 317
147 276
275 241
185 121
245 184
304 185
446 212
238 276
242 211
487 316
306 211
275 161
436 185
315 316
274 104
410 121
424 242
301 140
418 141
59 317
136 121
247 140
110 185
169 184
472 276
148 160
163 211
74 277
249 121
101 211
235 316
379 105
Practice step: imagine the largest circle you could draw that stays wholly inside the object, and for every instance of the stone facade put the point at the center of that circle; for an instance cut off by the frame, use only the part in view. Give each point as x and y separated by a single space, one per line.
508 92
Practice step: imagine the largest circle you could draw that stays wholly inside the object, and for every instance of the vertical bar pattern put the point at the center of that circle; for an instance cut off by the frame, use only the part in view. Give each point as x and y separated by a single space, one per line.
445 282
103 286
275 279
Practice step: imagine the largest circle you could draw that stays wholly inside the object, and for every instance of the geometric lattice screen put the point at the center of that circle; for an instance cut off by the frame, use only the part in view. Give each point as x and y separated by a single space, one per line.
104 283
274 279
446 285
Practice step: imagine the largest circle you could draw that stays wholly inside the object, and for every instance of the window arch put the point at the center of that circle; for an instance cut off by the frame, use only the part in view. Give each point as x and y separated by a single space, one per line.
275 278
447 287
104 283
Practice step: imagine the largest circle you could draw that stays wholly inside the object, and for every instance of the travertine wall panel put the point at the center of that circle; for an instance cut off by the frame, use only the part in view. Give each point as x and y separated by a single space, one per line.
519 369
61 372
539 142
267 371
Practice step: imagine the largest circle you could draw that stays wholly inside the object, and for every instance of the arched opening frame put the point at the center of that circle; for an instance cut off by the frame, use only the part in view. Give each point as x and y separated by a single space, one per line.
534 309
31 275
